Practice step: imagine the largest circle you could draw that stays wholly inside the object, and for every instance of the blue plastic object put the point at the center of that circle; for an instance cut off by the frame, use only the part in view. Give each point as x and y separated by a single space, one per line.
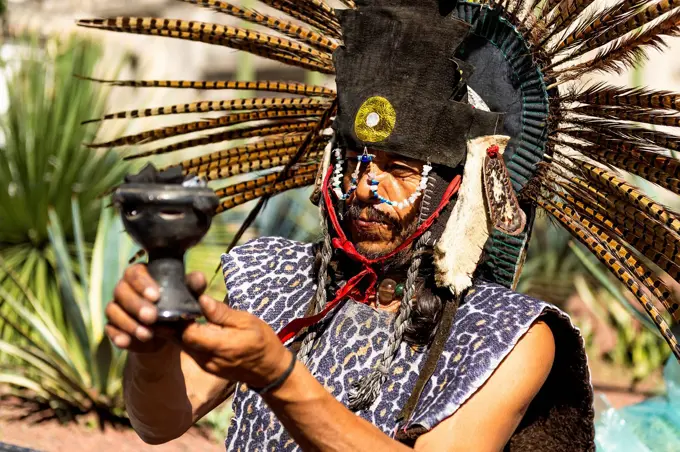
652 425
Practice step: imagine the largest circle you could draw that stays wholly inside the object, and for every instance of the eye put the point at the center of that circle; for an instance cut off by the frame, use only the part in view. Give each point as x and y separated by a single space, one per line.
401 168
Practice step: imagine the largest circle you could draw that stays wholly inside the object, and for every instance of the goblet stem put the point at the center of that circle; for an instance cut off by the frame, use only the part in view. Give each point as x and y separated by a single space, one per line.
176 301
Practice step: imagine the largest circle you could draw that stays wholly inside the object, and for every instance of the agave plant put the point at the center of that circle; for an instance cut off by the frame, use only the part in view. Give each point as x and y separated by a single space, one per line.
68 364
43 162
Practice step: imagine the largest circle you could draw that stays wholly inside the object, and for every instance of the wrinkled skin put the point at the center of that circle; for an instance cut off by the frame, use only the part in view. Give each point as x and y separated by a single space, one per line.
377 229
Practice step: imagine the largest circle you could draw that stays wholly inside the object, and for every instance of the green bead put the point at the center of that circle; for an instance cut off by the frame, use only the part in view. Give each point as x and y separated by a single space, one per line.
399 290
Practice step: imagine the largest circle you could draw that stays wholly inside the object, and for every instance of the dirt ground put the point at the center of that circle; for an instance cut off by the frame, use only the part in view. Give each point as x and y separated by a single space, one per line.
53 437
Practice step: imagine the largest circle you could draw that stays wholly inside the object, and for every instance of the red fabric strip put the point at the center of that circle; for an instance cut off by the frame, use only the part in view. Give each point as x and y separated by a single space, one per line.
342 243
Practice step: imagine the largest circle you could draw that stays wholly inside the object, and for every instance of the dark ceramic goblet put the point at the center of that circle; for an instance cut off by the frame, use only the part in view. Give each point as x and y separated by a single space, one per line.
167 220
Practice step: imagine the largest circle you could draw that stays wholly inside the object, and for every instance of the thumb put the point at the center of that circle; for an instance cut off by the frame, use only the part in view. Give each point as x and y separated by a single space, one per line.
214 311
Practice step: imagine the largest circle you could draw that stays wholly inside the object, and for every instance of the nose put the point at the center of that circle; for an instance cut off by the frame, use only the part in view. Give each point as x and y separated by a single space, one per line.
363 191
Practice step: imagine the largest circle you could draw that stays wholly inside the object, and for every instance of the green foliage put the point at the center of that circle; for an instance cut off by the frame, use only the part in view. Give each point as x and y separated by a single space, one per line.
44 165
43 161
67 363
557 269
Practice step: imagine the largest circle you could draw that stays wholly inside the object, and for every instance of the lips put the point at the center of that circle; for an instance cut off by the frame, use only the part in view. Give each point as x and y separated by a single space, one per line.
361 223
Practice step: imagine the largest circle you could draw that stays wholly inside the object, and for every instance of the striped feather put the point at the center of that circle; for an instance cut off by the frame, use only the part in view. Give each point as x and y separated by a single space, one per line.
643 234
271 86
632 194
617 267
289 8
593 25
606 95
629 51
242 187
235 169
271 189
312 142
267 144
258 103
654 117
285 27
197 126
260 44
322 18
613 202
625 23
634 166
616 135
565 14
276 128
658 287
267 158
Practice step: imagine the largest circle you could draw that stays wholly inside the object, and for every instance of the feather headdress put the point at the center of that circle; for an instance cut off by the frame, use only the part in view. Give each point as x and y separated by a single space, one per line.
574 145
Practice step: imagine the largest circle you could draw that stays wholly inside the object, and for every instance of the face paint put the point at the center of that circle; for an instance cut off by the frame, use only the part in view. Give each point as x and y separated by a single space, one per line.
376 227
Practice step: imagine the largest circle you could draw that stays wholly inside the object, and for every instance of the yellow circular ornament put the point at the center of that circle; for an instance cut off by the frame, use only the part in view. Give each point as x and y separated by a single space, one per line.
375 120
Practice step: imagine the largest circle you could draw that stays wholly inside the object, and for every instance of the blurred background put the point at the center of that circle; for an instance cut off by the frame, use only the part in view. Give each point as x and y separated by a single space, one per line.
62 248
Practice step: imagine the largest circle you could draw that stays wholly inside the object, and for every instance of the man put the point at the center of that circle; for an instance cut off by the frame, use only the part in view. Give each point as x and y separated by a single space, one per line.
400 328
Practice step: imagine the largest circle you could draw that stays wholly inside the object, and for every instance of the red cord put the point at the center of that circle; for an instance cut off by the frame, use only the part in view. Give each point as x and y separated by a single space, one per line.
342 243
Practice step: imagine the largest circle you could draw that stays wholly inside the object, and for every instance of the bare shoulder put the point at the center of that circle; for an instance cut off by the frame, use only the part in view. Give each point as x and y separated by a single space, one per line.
500 403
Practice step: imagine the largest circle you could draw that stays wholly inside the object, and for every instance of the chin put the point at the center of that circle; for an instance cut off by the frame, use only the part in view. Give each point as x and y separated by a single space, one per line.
373 249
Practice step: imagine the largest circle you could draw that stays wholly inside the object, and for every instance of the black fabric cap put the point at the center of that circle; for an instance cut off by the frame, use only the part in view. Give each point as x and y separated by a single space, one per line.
403 51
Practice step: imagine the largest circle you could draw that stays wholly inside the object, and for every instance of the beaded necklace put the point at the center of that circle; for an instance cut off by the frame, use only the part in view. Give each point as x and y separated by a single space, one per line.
338 174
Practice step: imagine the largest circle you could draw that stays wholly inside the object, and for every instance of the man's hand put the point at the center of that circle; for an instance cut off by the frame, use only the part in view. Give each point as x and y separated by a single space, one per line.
235 345
133 313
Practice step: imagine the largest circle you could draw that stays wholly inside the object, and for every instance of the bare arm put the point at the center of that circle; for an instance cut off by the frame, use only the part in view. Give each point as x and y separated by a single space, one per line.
240 347
165 391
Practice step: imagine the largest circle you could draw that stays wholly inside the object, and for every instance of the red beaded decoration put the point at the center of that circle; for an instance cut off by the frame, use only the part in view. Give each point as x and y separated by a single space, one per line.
493 151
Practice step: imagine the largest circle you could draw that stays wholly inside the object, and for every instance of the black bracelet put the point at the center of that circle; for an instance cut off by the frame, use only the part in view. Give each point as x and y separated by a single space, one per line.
279 381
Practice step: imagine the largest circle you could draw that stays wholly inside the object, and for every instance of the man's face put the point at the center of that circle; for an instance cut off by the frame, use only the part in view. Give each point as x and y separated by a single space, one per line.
377 229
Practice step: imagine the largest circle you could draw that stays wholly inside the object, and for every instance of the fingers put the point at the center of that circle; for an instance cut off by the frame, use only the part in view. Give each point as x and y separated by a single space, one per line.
221 314
137 276
130 300
118 337
205 337
123 322
197 283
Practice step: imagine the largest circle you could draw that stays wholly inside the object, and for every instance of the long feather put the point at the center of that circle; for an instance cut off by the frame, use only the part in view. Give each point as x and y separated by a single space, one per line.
320 23
611 200
216 32
242 187
235 169
634 196
628 51
267 144
197 126
618 268
322 18
285 27
257 160
639 235
617 135
275 128
271 86
257 103
632 165
566 13
654 117
272 47
658 287
267 190
616 96
593 25
310 142
626 24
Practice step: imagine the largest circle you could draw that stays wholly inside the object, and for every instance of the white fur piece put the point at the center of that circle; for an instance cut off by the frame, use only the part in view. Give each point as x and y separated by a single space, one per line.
460 247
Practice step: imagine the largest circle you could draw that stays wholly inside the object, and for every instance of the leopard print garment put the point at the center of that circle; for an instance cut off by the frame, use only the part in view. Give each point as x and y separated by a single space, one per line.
272 278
